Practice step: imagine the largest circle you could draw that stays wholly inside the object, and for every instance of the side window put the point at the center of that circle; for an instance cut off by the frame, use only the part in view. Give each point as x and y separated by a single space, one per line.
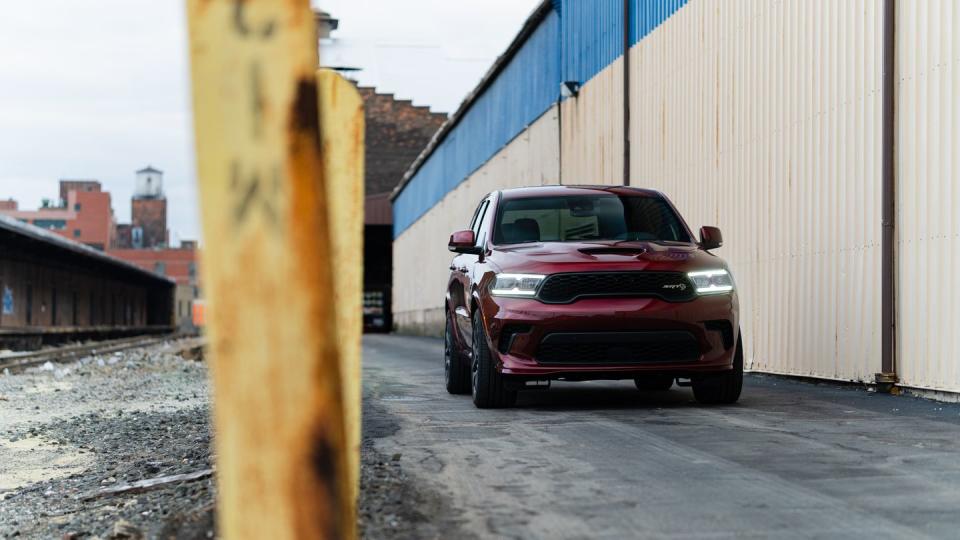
478 219
477 214
484 229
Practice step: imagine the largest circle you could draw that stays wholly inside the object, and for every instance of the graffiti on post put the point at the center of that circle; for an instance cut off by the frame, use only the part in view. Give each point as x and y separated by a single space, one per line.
7 301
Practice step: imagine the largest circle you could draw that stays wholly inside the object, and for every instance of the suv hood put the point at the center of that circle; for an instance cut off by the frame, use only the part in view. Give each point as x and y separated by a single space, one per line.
554 257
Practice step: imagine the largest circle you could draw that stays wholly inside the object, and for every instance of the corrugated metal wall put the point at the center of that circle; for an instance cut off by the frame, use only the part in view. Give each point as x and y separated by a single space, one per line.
647 15
928 193
763 118
591 37
583 46
592 133
421 259
592 42
528 86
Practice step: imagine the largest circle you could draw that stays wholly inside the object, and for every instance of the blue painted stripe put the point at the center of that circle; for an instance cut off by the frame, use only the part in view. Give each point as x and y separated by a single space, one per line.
647 15
592 32
575 42
525 89
592 37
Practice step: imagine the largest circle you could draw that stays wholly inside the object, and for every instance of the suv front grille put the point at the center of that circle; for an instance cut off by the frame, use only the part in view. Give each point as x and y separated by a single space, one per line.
608 348
565 288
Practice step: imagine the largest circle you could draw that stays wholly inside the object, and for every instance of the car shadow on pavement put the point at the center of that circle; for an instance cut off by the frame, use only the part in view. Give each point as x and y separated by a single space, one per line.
593 396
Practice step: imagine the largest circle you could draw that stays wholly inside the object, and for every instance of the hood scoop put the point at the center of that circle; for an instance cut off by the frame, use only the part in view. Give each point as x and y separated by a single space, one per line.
613 250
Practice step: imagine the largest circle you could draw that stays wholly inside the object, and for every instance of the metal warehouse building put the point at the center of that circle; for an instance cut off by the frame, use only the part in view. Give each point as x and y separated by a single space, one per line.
799 127
53 290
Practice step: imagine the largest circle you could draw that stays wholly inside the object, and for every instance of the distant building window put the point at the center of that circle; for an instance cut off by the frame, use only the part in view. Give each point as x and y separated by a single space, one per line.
76 233
160 268
77 207
192 269
53 224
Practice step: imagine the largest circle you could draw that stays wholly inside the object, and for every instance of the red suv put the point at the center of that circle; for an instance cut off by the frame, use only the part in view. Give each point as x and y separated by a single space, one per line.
588 283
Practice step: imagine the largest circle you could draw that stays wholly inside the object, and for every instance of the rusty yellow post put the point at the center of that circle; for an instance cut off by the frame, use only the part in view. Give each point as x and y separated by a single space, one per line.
281 456
342 139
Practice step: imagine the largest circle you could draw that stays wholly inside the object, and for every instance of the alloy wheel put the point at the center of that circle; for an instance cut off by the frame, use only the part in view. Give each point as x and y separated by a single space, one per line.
447 351
474 370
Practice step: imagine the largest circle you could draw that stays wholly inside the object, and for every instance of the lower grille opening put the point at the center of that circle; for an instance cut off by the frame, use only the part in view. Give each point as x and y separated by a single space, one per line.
507 335
725 329
618 348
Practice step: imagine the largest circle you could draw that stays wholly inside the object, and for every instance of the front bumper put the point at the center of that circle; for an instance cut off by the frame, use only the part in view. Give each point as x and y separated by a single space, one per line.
702 318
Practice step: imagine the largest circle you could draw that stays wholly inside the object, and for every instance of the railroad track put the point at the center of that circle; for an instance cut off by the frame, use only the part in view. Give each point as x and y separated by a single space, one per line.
21 360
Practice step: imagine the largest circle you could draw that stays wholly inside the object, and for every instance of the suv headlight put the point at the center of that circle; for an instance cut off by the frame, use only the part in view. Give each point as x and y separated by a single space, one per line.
712 281
521 285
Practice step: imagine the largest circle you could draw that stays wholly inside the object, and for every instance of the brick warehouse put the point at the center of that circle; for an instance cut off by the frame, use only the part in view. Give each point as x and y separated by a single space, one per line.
180 265
84 214
396 132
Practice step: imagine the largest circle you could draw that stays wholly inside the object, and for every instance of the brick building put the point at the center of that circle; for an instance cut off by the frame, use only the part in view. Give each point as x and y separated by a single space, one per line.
149 223
178 264
148 214
396 132
83 213
145 242
66 186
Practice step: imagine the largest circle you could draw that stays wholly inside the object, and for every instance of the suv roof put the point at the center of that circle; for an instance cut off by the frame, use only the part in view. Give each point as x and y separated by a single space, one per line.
558 190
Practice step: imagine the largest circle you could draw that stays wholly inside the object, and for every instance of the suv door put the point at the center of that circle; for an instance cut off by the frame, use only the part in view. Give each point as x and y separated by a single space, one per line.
476 265
461 269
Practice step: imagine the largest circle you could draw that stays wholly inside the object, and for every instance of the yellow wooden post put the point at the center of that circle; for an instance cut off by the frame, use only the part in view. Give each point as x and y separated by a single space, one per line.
281 457
342 139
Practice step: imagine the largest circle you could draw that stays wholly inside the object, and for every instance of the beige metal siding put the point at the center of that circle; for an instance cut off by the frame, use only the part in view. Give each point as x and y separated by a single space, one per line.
592 150
928 192
763 118
421 258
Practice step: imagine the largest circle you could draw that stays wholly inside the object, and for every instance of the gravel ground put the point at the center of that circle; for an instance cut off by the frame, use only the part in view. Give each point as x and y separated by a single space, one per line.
68 431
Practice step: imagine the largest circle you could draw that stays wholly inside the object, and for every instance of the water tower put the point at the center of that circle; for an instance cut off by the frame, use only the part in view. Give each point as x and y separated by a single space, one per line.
149 184
149 211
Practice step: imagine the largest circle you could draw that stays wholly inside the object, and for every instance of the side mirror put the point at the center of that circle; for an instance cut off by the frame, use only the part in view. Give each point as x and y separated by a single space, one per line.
463 242
710 238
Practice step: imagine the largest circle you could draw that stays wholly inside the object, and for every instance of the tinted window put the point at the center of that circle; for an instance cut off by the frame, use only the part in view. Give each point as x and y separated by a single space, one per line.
56 224
576 218
477 214
483 234
478 219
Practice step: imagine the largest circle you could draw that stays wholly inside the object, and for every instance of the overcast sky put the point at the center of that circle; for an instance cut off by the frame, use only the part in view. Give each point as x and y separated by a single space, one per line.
99 88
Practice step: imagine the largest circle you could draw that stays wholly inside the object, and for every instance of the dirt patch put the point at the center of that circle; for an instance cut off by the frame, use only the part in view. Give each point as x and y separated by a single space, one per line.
394 504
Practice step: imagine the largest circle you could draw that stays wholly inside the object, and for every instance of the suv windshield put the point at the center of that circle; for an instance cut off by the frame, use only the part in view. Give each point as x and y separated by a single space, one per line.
590 217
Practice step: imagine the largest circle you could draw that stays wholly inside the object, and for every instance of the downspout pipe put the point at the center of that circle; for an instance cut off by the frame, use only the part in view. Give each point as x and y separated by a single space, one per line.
888 375
560 140
626 92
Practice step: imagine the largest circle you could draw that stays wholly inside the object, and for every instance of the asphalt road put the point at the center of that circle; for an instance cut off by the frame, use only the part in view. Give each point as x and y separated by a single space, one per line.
602 460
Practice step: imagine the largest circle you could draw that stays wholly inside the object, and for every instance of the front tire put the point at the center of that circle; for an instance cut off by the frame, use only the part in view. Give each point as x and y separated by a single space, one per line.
721 389
488 388
455 371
